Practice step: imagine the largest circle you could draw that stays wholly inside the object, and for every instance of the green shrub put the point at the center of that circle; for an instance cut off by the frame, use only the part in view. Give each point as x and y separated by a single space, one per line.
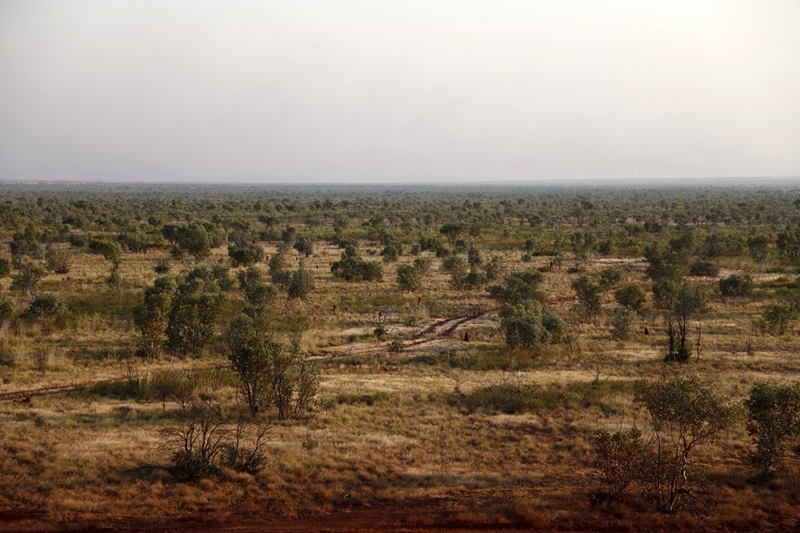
620 459
736 285
57 260
622 323
245 254
530 326
778 317
301 284
47 306
703 268
630 296
773 420
512 396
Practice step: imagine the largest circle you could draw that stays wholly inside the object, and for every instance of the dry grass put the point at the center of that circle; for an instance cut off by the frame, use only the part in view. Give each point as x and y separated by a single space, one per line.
391 430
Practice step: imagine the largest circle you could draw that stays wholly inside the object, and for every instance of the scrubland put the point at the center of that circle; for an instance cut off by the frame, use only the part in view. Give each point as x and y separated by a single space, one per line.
434 421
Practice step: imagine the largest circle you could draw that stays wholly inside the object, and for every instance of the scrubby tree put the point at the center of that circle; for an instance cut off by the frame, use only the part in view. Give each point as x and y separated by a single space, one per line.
685 412
26 280
530 325
279 269
352 267
702 268
304 245
669 263
26 242
8 309
257 291
758 247
736 285
589 298
273 374
5 267
690 301
105 247
152 315
301 283
57 260
620 458
592 293
47 306
195 306
193 239
631 296
518 288
622 322
409 277
773 420
245 254
779 316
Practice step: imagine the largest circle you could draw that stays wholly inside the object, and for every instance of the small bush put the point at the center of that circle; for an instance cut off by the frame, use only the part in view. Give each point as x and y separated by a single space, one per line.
46 306
504 397
368 399
57 261
620 459
396 345
202 439
162 267
703 268
512 396
622 323
773 419
301 284
736 285
630 296
778 317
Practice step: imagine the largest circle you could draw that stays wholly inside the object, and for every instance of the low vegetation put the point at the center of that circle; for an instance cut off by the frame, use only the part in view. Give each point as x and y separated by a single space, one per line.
485 358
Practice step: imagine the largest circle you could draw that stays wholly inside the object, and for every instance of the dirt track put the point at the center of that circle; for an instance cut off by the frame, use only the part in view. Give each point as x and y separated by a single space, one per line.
437 330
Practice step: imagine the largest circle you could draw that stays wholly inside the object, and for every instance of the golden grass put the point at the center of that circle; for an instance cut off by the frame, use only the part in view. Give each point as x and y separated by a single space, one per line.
81 459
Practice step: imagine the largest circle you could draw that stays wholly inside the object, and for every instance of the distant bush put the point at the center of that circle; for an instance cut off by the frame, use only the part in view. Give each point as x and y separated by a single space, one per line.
736 285
703 268
47 305
203 439
245 254
27 279
773 420
509 398
512 396
620 458
108 249
530 326
162 267
301 283
356 269
778 317
630 296
518 288
622 322
409 277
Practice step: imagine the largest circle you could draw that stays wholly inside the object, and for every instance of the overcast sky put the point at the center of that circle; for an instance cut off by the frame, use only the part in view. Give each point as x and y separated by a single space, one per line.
379 91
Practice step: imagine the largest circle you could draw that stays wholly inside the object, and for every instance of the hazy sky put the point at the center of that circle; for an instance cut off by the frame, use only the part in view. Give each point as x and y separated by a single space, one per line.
379 91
